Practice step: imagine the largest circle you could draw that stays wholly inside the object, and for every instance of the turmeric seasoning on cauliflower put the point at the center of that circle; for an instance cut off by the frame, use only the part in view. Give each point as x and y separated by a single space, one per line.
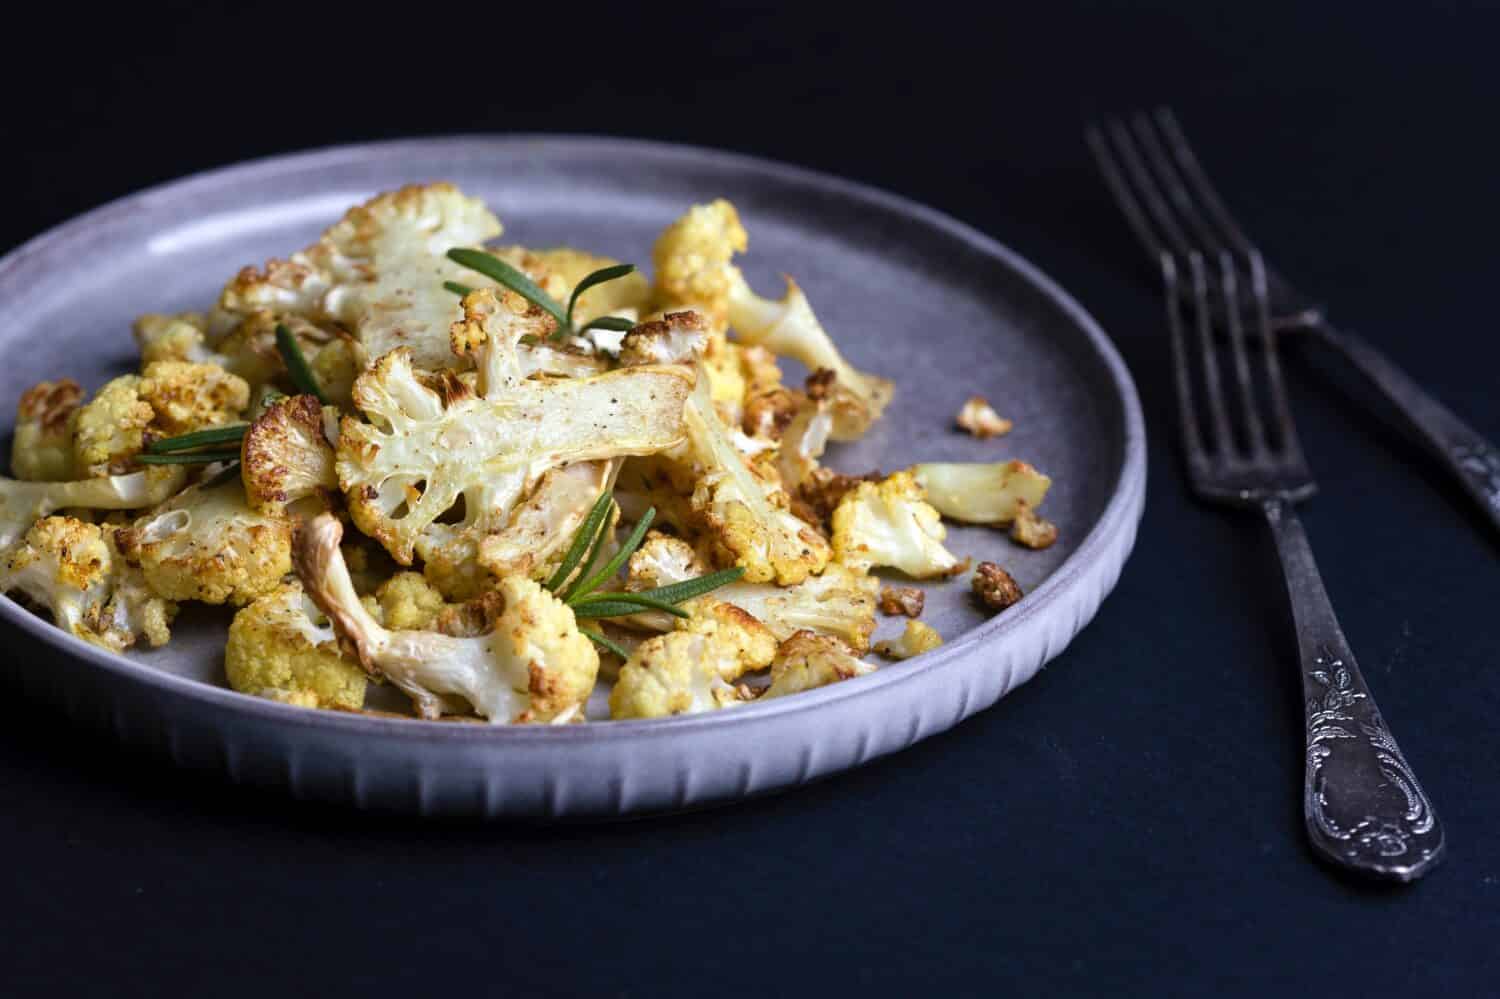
78 572
890 523
693 669
43 447
281 647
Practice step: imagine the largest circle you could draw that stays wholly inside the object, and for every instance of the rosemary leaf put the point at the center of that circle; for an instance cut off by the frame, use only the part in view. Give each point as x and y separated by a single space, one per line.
637 535
588 563
643 602
616 323
582 538
598 639
458 289
188 457
607 608
600 276
296 364
676 593
498 270
200 438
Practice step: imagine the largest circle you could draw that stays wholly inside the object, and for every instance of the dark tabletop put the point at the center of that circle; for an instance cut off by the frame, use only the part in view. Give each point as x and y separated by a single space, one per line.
1129 821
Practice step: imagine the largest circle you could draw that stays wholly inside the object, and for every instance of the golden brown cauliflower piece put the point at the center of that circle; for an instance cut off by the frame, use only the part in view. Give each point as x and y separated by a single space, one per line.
206 544
109 430
78 572
285 456
43 447
693 258
1031 530
693 669
979 419
170 398
806 661
281 647
406 601
918 637
184 396
890 524
533 665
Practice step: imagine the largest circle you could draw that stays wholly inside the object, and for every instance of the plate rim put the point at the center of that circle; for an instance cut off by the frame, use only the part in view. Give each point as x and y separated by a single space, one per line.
1122 511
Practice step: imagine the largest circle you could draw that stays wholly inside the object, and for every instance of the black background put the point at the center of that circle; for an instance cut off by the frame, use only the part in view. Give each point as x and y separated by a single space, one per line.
1129 822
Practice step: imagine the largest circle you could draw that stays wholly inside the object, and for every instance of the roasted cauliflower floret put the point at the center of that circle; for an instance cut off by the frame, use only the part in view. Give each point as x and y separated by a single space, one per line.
987 493
978 418
285 456
281 647
207 544
43 447
532 666
806 661
170 398
916 638
77 572
424 449
838 602
743 506
694 267
23 503
184 396
676 338
109 430
1031 530
540 528
178 337
890 524
693 669
406 602
378 272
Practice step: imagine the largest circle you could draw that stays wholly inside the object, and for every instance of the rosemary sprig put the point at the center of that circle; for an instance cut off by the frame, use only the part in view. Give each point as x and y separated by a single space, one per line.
580 590
296 364
583 594
512 278
231 434
599 639
585 535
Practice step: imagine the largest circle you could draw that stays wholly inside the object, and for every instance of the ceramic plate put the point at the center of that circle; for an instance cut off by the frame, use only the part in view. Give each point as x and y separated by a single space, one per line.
906 292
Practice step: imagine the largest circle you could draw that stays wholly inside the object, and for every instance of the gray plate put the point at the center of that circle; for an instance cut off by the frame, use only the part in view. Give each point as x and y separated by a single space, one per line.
905 291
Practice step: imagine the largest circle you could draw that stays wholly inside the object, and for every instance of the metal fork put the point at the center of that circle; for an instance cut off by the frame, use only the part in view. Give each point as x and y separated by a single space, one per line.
1167 199
1364 808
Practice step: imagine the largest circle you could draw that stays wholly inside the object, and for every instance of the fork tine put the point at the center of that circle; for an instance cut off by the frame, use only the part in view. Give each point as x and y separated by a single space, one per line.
1192 437
1286 428
1178 193
1115 180
1218 413
1147 188
1229 285
1197 180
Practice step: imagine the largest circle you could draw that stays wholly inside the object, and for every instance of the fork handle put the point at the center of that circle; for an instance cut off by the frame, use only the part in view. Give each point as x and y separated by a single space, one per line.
1364 808
1474 461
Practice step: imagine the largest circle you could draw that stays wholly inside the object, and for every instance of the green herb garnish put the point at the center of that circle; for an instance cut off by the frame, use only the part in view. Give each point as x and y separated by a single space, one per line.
458 289
188 457
512 278
231 434
583 594
296 364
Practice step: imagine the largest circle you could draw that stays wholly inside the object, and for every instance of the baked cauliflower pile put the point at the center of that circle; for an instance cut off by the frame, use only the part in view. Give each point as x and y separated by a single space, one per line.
489 476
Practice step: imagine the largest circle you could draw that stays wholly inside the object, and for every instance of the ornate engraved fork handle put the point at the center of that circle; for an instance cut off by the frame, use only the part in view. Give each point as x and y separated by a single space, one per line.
1471 458
1365 809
